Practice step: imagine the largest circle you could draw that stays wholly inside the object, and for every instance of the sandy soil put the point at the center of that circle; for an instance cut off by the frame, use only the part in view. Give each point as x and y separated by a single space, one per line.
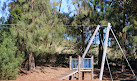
50 73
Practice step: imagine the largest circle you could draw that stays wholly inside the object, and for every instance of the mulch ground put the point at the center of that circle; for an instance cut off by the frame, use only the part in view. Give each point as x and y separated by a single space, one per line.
48 73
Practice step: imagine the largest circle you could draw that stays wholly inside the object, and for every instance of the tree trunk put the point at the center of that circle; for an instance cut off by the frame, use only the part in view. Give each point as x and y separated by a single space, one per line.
100 48
60 5
32 7
31 55
32 2
101 40
124 49
123 69
83 39
124 43
123 65
31 62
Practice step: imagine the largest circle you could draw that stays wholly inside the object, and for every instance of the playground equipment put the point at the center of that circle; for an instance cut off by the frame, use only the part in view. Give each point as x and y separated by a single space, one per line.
78 65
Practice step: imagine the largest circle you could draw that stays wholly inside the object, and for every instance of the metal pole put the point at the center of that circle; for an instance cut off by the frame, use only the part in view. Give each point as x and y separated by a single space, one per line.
124 55
91 40
104 52
108 64
109 69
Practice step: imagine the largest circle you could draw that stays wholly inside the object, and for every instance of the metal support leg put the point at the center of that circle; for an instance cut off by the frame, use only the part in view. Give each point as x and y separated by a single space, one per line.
104 52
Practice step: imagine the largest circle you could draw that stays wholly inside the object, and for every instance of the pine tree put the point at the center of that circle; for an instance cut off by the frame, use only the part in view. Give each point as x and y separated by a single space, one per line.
38 32
10 59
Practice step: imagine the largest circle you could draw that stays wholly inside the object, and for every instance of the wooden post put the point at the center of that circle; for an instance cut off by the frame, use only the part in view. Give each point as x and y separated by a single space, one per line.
70 62
92 67
83 63
79 66
83 75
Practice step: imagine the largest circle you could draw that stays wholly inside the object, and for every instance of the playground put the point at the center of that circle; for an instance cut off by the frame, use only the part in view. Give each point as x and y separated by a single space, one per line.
51 73
82 68
68 40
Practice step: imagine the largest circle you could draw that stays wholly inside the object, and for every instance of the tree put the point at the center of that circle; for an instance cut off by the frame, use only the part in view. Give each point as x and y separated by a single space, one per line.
10 59
37 32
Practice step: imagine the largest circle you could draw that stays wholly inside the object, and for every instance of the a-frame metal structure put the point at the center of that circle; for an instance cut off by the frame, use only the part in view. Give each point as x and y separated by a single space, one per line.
105 49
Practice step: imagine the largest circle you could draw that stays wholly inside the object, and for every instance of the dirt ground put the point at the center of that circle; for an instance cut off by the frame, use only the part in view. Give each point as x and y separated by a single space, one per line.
51 73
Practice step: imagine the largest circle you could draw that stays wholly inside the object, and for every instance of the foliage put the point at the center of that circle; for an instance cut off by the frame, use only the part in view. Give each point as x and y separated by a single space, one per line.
38 33
132 35
10 60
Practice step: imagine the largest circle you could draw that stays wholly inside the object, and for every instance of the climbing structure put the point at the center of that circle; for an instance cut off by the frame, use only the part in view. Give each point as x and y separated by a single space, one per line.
77 66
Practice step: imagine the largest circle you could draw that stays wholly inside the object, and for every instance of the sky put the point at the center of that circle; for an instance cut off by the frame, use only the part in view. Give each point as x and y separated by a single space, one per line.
1 3
4 13
66 6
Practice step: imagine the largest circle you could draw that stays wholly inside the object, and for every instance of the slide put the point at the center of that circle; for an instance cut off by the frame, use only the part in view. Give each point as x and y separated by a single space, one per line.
67 74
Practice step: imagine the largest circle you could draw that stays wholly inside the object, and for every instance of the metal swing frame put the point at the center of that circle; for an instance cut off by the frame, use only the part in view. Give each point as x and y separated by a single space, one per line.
105 50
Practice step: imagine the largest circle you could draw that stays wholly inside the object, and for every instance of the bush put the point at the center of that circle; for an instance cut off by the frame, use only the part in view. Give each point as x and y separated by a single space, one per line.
9 59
